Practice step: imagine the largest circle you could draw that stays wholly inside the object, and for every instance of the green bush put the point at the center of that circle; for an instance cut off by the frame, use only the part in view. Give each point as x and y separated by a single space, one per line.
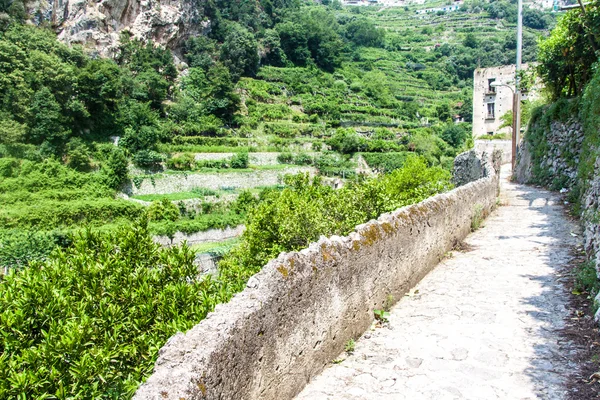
291 219
385 162
147 159
162 210
19 248
210 220
285 158
239 160
8 167
88 323
52 214
115 171
182 162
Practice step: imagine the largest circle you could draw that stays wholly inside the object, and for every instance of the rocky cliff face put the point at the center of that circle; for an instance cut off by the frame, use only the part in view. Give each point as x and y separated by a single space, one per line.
96 24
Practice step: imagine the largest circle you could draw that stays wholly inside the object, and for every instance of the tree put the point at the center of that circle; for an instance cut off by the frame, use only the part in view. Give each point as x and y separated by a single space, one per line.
212 92
115 170
363 32
294 42
466 110
273 53
471 41
454 135
567 55
12 132
200 51
534 19
48 124
239 52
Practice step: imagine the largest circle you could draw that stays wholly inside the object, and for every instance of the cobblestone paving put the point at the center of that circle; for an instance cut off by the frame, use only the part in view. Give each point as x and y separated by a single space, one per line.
483 325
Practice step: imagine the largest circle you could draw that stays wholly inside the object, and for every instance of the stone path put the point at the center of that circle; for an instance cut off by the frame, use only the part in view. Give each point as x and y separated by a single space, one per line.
483 325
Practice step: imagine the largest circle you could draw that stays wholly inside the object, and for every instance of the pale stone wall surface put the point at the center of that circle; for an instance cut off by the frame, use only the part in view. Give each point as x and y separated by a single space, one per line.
263 158
239 180
298 312
489 146
211 235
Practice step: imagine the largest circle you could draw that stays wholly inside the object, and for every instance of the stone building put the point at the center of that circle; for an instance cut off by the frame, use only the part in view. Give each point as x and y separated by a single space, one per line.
491 101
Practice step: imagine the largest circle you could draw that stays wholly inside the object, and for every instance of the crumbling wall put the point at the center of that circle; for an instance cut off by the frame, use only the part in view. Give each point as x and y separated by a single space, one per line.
296 314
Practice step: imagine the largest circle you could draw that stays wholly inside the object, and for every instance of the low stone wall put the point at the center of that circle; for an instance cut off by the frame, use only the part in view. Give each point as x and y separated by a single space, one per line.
210 235
489 146
296 315
231 179
253 158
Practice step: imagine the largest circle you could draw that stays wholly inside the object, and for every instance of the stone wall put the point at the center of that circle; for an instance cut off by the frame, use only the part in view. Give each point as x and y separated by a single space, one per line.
296 315
553 161
166 183
210 235
488 146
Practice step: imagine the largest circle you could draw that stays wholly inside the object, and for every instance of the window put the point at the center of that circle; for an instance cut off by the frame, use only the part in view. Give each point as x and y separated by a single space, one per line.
491 111
491 89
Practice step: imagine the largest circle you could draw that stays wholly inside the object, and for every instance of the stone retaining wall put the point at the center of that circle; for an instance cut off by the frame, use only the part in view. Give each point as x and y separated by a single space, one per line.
296 315
210 235
489 146
253 158
556 165
174 183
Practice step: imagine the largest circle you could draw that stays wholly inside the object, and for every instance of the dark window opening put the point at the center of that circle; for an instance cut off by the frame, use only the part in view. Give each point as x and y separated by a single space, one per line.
491 110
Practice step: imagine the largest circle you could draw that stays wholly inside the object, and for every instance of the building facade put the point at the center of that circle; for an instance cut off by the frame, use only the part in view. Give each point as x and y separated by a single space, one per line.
493 97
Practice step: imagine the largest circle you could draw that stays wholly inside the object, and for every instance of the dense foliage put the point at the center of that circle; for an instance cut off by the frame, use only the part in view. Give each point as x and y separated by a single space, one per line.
298 215
88 323
567 56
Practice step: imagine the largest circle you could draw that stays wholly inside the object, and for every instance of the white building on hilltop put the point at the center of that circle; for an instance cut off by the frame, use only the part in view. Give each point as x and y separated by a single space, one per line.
492 98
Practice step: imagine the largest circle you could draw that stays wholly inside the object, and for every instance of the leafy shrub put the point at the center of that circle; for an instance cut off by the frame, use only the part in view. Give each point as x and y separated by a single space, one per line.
8 167
455 135
303 159
147 159
244 202
211 219
298 215
162 210
385 162
52 214
88 322
239 160
347 141
182 162
18 248
285 158
115 170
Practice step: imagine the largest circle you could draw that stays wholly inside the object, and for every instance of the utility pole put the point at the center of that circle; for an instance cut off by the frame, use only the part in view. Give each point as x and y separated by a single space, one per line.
517 92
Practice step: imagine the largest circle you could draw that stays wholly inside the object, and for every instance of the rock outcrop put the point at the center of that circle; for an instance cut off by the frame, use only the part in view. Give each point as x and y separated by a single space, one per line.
97 25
